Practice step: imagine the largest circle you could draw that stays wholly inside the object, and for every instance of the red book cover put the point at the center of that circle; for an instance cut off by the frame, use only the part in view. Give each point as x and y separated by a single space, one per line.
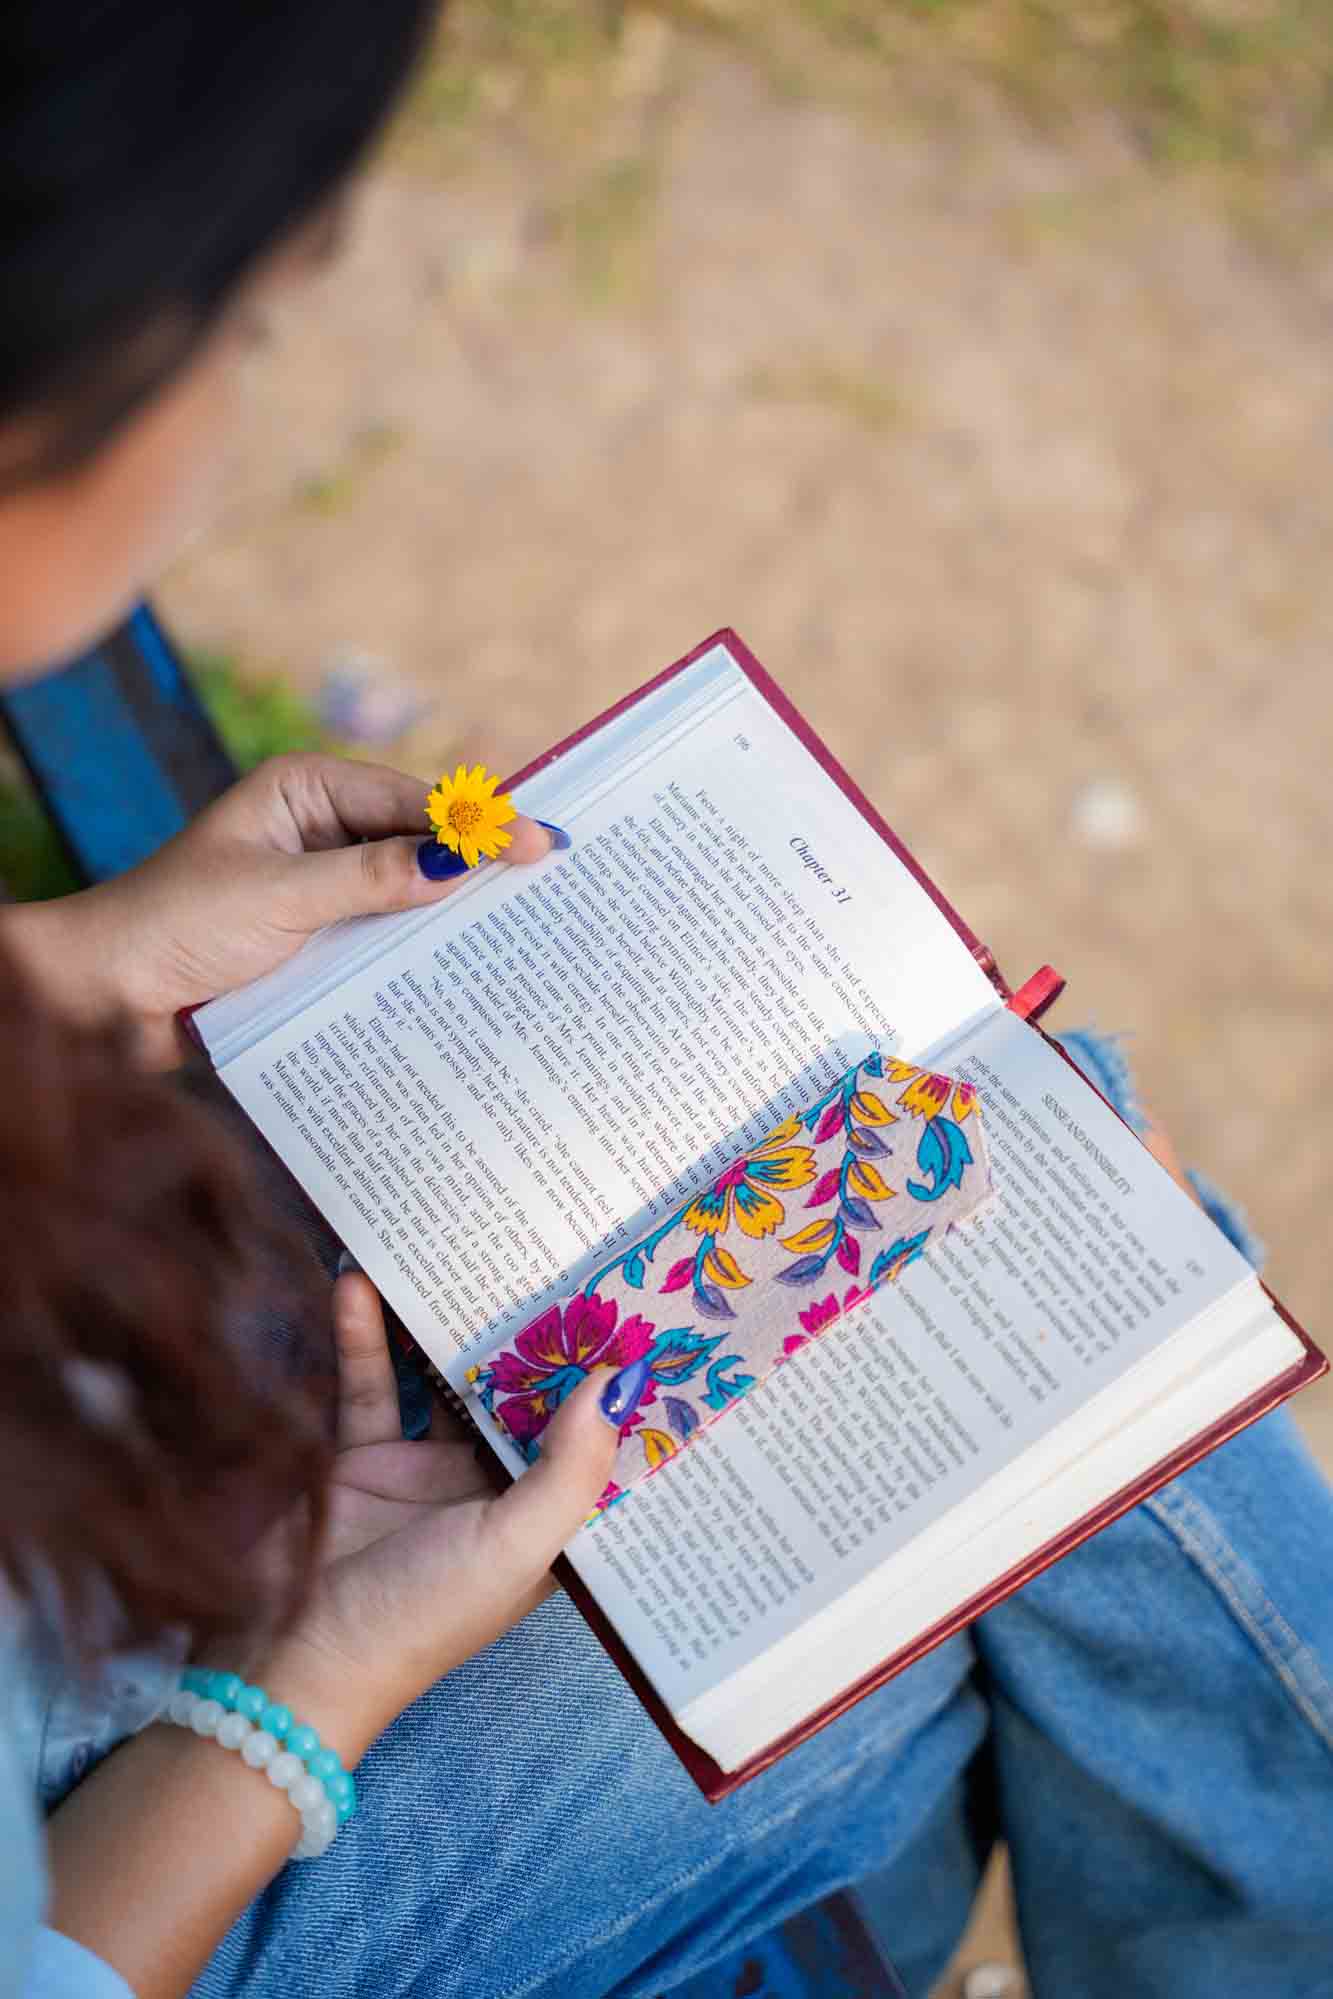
1030 1001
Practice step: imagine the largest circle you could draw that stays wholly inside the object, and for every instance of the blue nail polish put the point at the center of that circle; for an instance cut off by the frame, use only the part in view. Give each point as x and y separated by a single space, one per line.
560 840
620 1397
439 864
348 1262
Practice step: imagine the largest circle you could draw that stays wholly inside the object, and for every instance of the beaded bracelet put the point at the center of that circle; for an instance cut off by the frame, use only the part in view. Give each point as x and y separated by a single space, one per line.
291 1755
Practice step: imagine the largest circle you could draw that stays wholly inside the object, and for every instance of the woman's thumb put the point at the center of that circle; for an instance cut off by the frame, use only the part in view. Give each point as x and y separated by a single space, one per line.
528 1526
380 875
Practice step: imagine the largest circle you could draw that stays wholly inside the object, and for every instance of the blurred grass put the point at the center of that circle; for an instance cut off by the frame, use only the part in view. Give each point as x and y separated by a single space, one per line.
257 716
852 392
1188 82
337 487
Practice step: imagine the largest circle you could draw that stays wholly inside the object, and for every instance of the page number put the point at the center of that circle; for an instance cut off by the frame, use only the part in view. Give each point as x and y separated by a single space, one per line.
741 742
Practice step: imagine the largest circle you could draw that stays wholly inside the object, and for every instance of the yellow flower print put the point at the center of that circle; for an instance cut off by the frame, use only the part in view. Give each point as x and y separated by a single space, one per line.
899 1072
467 814
742 1194
927 1095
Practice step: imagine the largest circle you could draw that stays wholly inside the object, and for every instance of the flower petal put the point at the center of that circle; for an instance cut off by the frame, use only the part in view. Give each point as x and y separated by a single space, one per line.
679 1274
657 1447
815 1317
589 1332
723 1268
868 1180
757 1212
824 1189
793 1168
542 1342
781 1134
813 1237
710 1213
830 1122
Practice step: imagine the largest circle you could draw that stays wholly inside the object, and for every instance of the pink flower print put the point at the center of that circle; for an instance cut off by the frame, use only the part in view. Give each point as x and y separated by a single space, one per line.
815 1317
556 1352
794 1341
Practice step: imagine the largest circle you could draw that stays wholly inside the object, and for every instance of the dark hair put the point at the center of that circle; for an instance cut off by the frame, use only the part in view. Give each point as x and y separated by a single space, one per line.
150 152
149 1433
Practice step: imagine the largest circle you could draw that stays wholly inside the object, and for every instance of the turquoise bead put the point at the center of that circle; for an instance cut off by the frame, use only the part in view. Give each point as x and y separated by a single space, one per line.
276 1719
325 1763
340 1788
302 1741
224 1687
192 1679
251 1702
344 1808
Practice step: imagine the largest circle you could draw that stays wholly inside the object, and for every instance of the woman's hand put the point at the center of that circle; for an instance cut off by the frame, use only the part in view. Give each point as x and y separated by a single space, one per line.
423 1565
300 842
157 1852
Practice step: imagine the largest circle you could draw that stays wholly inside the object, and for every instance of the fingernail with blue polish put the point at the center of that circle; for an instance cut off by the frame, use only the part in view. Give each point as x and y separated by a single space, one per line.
560 840
348 1262
439 864
620 1397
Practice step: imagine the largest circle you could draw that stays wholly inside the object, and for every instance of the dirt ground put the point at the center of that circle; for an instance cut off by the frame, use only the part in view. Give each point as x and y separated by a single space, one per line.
1009 456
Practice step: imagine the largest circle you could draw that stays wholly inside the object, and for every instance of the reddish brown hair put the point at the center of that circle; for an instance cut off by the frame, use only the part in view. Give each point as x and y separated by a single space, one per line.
145 1441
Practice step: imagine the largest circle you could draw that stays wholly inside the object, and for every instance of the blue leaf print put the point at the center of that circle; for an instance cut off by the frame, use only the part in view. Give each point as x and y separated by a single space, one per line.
722 1388
874 1063
680 1352
633 1271
858 1214
682 1418
907 1248
868 1143
802 1271
943 1154
710 1300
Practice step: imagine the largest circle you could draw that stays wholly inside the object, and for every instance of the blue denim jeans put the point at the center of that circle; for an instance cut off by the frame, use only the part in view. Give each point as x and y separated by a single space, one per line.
1149 1725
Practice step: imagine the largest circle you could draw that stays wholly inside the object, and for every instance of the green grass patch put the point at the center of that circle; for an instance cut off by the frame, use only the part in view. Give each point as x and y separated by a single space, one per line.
32 860
608 226
340 486
1189 81
852 393
257 716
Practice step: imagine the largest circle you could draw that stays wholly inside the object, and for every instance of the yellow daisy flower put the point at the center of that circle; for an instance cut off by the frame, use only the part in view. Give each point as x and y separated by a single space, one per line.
467 815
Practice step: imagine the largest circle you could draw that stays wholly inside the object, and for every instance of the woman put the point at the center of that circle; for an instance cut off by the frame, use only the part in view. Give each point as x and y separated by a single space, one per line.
1151 1724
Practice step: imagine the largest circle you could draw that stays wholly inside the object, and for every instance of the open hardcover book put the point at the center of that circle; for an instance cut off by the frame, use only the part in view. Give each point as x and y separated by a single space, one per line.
606 1079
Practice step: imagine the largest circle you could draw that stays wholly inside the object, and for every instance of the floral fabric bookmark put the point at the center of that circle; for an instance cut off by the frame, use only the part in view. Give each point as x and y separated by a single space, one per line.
836 1201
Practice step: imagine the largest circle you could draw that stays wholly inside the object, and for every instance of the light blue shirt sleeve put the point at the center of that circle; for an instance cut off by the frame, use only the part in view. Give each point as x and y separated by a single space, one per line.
59 1968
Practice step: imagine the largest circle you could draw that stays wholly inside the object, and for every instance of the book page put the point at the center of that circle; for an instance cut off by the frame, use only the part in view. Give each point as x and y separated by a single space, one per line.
1085 1262
556 1055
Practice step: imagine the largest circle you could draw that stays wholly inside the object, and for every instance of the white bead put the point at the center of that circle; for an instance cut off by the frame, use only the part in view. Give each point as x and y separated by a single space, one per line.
321 1820
181 1707
284 1769
259 1749
207 1714
305 1792
318 1847
233 1729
